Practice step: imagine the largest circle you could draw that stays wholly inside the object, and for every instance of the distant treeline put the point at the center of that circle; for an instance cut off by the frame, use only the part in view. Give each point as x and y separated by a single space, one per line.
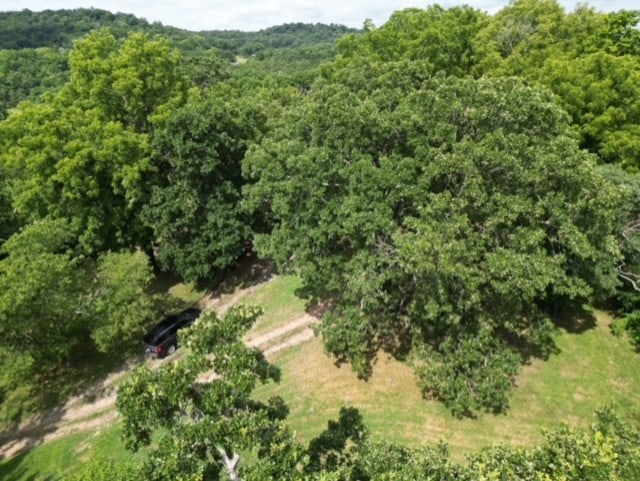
58 28
34 47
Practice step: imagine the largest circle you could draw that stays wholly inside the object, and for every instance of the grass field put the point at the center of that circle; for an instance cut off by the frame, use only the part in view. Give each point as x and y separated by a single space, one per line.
568 388
64 456
590 370
279 302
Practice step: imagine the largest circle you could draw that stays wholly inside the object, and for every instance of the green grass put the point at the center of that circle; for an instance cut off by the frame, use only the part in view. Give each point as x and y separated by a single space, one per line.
66 456
592 369
279 302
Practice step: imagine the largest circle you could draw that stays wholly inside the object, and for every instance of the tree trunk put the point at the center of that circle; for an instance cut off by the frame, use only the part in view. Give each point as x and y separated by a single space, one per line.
151 254
231 464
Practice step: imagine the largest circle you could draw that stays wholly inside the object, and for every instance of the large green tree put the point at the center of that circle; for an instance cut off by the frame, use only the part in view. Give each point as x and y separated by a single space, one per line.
442 38
194 208
589 59
53 299
435 214
607 451
84 153
70 163
41 297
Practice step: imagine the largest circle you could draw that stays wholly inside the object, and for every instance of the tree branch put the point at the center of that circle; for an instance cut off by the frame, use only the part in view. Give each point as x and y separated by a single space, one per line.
230 463
630 277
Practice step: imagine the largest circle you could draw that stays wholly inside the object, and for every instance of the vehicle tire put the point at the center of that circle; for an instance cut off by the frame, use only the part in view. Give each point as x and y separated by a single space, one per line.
171 350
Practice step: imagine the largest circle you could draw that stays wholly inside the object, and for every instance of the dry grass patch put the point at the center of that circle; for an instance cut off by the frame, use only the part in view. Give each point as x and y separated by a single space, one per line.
591 370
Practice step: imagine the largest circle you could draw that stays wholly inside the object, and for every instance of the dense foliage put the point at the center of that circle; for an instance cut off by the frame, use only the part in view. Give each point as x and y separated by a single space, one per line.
451 219
53 299
429 214
34 47
195 209
28 73
204 402
447 186
58 28
84 154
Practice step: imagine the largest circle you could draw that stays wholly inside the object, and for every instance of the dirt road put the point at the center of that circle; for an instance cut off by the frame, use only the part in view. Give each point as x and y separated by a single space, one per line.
96 407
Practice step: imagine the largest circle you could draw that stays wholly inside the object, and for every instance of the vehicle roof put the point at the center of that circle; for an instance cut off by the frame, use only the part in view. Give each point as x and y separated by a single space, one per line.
155 332
190 312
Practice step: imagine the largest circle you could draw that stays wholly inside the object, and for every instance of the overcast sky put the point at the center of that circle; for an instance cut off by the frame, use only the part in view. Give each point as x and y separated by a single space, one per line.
258 14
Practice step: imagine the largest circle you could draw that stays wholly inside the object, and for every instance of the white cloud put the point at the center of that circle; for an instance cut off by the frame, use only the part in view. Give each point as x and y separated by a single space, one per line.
257 14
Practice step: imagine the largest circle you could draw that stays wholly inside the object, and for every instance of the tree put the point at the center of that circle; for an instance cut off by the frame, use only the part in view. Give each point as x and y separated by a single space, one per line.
600 91
42 293
194 208
66 162
28 73
606 451
442 38
433 213
54 299
209 422
8 220
83 154
519 37
120 307
589 59
627 298
136 82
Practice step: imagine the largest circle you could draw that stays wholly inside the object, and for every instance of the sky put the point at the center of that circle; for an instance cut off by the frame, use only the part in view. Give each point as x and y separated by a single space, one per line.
252 15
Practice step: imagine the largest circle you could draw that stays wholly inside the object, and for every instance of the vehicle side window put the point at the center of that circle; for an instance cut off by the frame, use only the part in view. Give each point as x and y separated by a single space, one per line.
185 322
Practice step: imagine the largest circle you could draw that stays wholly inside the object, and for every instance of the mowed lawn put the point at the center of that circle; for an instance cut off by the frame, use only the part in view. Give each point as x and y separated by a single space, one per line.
592 369
279 303
65 456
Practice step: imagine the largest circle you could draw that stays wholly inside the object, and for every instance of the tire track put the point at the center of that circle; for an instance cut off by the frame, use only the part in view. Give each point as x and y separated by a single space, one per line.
78 415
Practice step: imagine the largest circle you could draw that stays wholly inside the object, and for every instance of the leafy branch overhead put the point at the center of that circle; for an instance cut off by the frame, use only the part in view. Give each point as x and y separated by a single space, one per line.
203 402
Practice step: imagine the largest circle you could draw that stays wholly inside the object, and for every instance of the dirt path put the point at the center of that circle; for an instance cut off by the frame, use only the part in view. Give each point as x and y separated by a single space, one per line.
96 407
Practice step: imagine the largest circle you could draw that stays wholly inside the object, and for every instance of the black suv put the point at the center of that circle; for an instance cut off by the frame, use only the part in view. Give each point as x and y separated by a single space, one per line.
162 340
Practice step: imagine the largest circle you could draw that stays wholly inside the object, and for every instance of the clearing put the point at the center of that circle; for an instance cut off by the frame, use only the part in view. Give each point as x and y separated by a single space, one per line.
592 369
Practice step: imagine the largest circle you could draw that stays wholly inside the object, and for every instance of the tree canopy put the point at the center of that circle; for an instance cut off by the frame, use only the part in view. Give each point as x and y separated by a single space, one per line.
195 207
84 153
447 186
440 216
54 299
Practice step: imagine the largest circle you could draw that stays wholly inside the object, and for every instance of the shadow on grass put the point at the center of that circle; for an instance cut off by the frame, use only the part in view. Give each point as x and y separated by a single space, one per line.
81 374
19 442
576 322
248 272
16 469
573 321
83 377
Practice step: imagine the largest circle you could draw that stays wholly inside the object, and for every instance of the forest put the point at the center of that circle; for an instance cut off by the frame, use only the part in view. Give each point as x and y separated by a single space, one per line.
451 188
